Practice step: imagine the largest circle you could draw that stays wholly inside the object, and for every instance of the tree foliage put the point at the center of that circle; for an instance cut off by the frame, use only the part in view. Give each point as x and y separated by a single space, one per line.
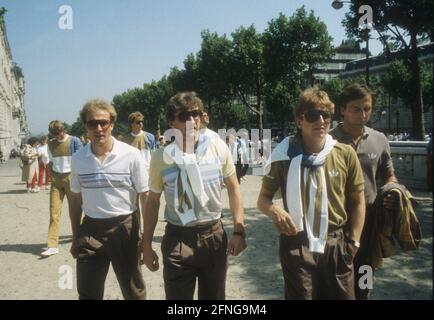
402 23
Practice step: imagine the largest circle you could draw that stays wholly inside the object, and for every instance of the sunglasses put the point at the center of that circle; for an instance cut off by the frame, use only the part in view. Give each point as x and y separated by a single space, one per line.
314 115
139 122
185 115
93 124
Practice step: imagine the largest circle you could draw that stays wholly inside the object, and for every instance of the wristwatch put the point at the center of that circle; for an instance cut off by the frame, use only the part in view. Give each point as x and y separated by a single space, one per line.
354 243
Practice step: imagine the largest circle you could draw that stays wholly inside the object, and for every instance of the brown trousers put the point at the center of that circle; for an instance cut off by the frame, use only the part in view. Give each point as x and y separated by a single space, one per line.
102 241
191 253
307 275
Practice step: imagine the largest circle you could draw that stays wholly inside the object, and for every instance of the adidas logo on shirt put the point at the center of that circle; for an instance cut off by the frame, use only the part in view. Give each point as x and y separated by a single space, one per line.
333 173
372 156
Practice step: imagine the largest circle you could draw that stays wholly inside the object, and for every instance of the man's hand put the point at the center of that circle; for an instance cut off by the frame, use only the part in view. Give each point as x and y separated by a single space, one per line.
390 201
74 248
283 221
149 257
351 249
236 245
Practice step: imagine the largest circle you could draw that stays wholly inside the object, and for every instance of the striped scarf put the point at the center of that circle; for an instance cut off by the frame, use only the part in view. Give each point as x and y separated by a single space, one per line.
308 171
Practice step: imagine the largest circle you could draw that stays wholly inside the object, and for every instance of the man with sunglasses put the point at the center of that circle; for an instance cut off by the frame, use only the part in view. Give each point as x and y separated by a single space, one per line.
60 150
321 183
190 171
142 140
373 151
107 175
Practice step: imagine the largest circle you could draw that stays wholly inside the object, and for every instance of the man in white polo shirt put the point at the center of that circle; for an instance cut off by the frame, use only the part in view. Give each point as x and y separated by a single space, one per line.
106 177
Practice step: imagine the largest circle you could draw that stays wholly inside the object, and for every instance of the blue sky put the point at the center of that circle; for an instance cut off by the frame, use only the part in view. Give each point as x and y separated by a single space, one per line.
116 45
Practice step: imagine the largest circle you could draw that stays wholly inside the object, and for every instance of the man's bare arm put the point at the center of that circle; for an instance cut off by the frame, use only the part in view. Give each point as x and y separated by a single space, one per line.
356 214
237 243
143 197
281 219
75 212
150 219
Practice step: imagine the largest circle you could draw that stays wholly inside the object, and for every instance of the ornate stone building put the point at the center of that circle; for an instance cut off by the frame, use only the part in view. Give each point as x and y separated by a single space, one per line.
13 122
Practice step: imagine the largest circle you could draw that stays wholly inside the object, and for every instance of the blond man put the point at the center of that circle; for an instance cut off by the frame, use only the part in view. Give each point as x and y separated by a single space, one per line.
107 175
322 185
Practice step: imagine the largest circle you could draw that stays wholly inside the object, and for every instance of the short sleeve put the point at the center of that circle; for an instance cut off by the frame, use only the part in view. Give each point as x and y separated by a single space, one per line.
139 173
272 180
228 167
355 180
156 183
74 181
386 165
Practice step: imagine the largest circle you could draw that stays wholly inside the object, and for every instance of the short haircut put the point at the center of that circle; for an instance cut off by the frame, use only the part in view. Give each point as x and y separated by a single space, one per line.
135 116
312 98
182 101
97 105
56 127
43 139
354 91
32 141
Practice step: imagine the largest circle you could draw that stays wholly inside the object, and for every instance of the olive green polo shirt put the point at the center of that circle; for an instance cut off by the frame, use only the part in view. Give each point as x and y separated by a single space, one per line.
343 175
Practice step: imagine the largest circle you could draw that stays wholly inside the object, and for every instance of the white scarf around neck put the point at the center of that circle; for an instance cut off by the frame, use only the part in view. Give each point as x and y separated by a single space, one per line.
191 179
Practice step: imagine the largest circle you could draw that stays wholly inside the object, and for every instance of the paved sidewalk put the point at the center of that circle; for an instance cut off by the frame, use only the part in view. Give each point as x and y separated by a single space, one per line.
254 275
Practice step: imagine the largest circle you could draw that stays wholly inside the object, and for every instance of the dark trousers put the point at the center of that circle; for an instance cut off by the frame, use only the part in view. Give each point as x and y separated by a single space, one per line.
307 275
102 241
238 171
191 253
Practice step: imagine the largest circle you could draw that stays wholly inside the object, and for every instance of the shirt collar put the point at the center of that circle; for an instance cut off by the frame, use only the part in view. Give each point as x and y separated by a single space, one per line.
139 134
340 132
64 138
116 148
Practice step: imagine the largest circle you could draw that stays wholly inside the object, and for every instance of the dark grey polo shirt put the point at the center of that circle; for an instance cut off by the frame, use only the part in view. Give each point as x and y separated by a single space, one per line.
373 151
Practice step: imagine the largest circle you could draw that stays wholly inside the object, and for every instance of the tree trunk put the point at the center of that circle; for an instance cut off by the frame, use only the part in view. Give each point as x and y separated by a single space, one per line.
417 104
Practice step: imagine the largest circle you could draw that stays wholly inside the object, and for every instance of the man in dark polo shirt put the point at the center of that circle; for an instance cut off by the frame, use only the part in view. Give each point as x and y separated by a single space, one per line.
373 151
321 182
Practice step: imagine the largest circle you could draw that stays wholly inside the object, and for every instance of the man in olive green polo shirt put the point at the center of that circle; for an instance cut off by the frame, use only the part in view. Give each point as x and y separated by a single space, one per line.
373 151
322 185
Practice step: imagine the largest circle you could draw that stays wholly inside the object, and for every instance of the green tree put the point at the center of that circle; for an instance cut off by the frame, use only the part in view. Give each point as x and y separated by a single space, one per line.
333 87
292 48
77 128
404 23
247 70
213 62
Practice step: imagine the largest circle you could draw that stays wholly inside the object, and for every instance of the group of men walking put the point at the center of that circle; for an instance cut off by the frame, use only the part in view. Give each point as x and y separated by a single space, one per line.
327 181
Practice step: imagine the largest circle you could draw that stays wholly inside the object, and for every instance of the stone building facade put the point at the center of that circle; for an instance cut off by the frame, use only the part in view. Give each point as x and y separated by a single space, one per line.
13 121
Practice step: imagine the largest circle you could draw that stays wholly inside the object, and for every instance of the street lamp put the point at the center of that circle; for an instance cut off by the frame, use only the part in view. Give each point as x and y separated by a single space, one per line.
338 4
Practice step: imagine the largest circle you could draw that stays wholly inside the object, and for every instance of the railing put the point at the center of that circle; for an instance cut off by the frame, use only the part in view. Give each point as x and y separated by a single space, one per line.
410 163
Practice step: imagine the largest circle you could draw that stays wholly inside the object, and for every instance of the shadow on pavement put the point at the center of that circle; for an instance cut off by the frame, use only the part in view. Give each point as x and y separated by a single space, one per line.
33 248
14 191
259 263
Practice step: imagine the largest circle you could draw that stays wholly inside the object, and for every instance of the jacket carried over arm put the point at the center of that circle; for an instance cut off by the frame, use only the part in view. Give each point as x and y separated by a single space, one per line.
400 224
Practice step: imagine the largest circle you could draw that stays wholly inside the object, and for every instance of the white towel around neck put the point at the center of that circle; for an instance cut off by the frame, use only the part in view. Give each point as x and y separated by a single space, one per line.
293 192
191 179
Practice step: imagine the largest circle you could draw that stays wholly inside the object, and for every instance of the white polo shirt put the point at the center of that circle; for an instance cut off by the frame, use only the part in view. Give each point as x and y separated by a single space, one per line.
109 189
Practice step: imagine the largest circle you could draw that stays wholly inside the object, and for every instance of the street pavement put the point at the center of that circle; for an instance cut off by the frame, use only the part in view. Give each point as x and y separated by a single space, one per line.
255 274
